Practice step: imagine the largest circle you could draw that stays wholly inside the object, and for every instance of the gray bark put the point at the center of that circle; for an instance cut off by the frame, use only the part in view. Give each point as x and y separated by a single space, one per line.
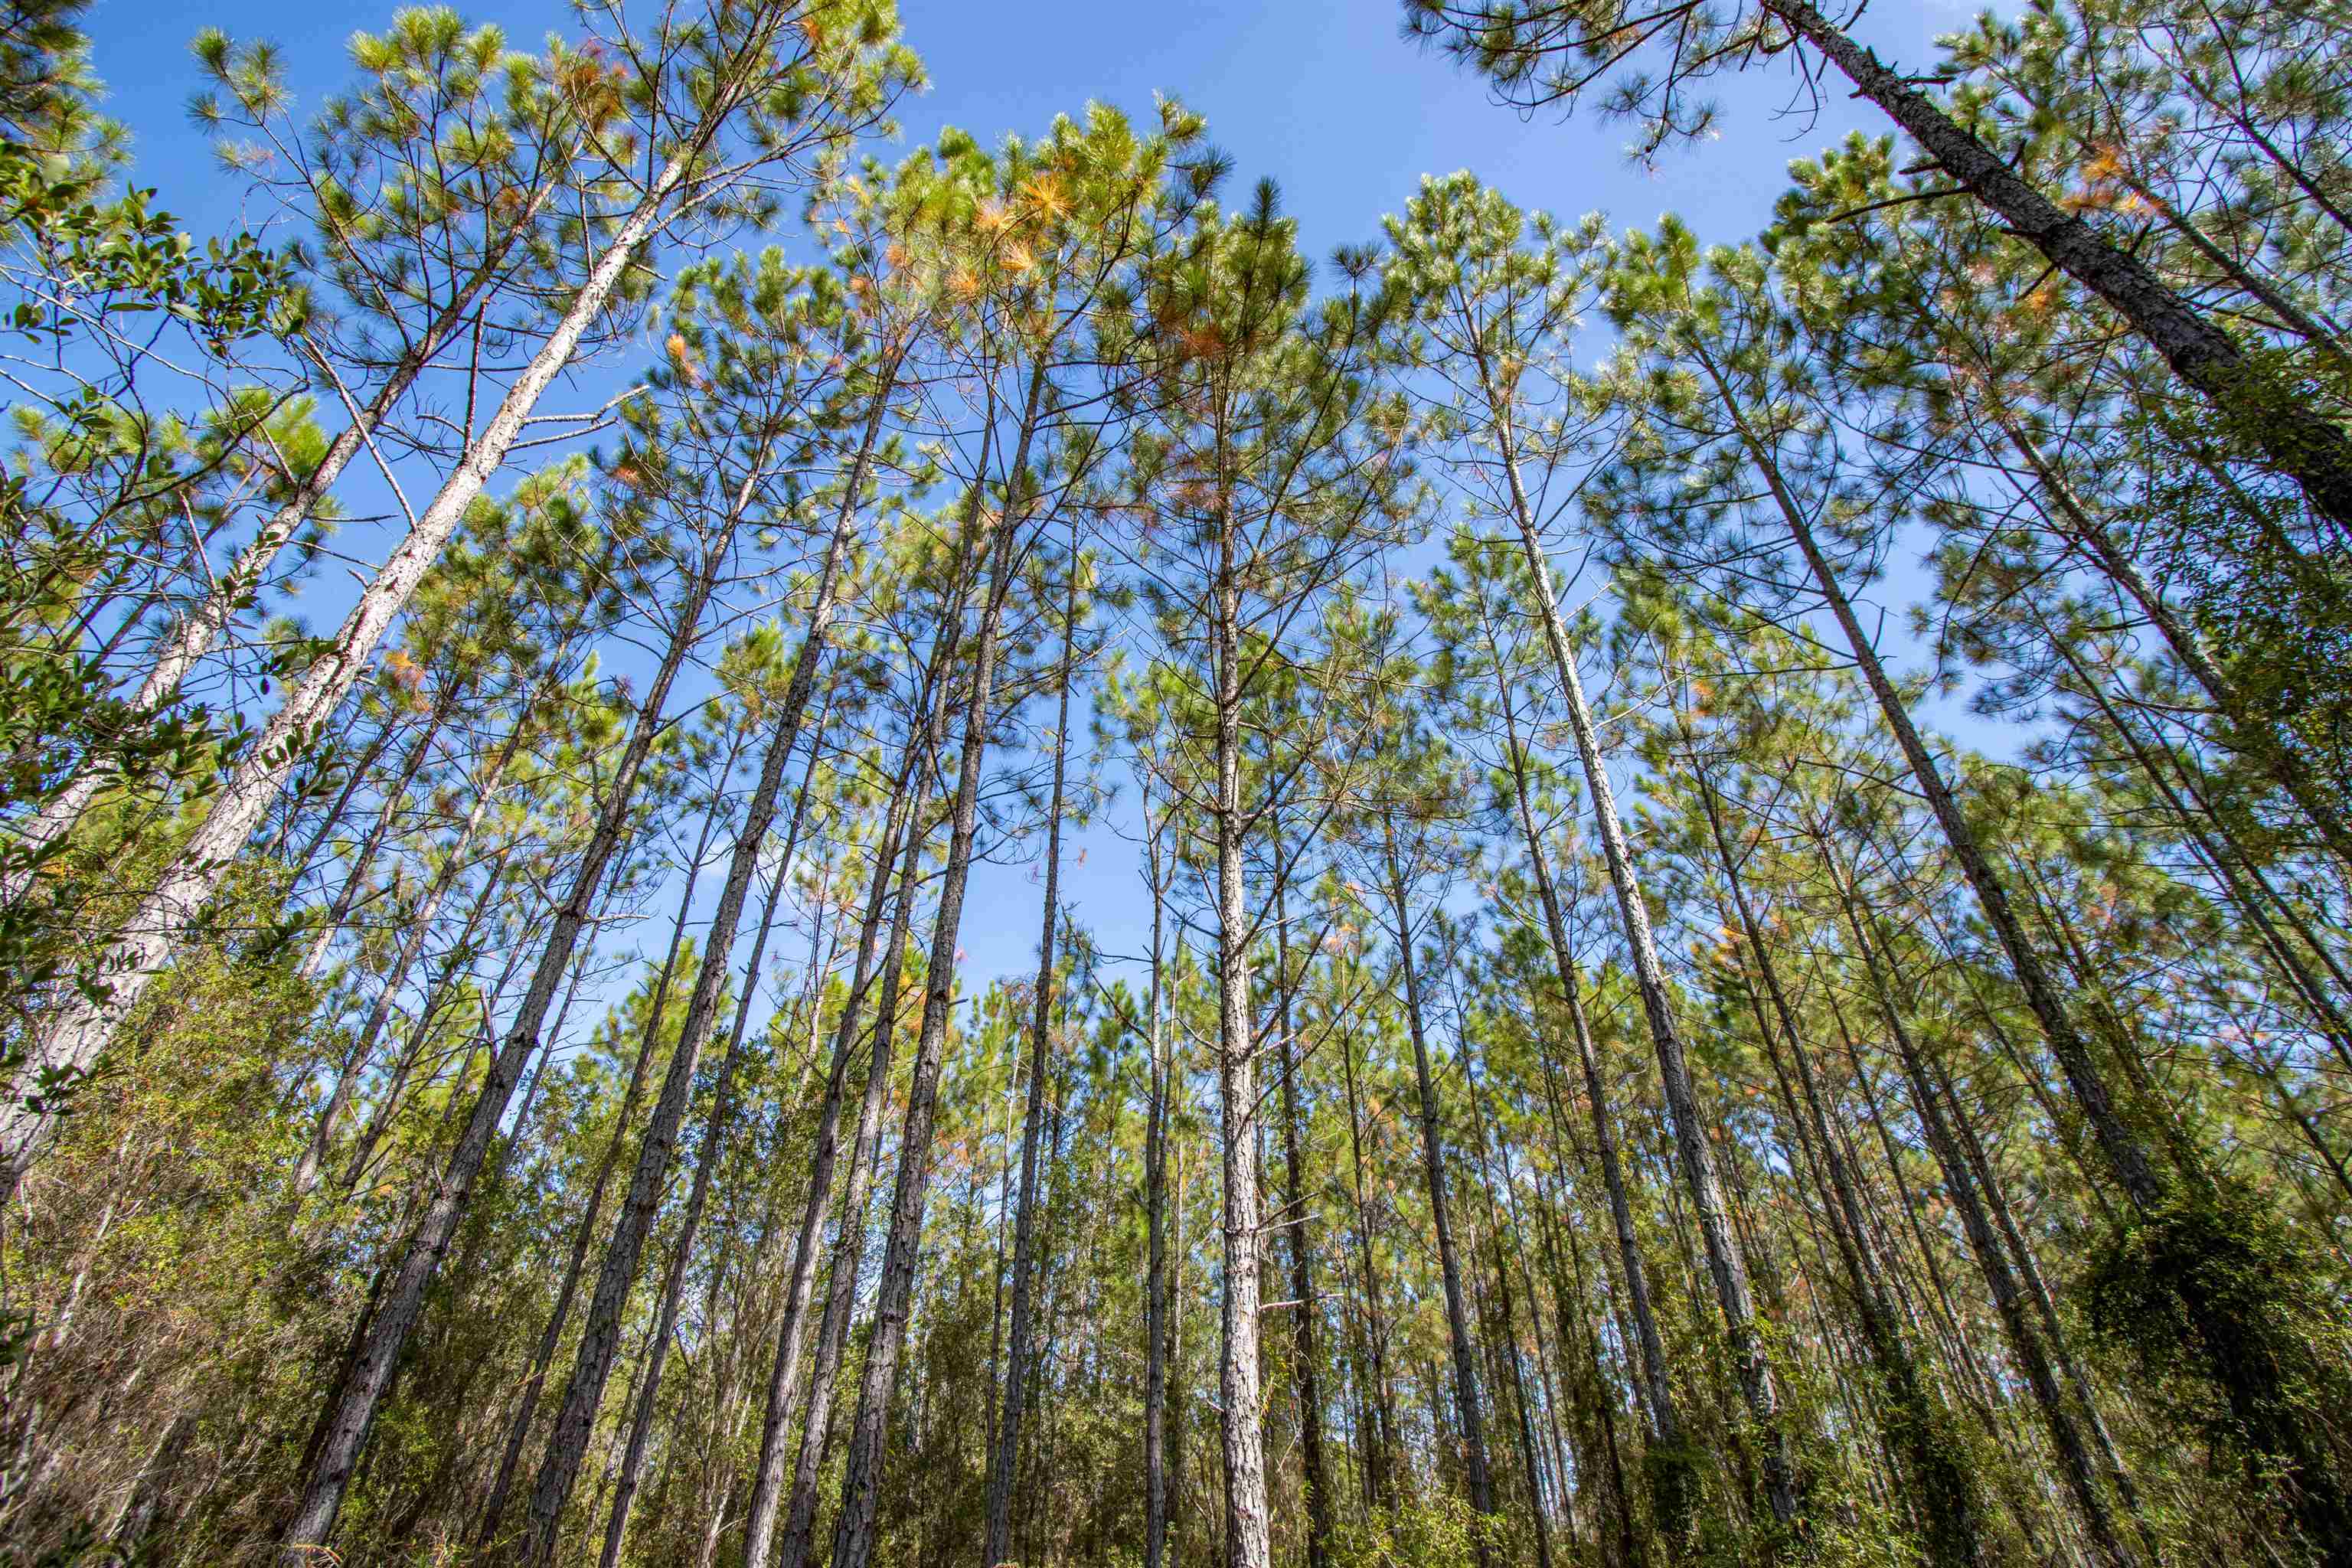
83 1028
600 1338
1469 1411
1005 1458
849 1237
714 1135
552 1333
855 1531
355 1406
1726 1258
2304 446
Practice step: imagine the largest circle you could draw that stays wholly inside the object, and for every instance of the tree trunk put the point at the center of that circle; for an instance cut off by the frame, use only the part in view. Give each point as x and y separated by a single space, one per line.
1726 1261
1581 1328
551 1335
905 821
83 1028
1999 1282
2248 1379
2249 730
2301 444
1004 1457
706 1159
600 1338
1911 1426
1467 1411
412 762
459 959
849 1238
1384 1424
1156 1322
1508 1344
1655 1385
855 1531
1306 1356
195 635
2126 1158
348 1428
1248 1542
332 818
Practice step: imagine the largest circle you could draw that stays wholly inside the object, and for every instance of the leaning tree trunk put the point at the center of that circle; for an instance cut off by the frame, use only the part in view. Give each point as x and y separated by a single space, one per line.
83 1028
767 1489
910 796
759 1524
1727 1260
1655 1385
2126 1158
454 964
1504 1242
2001 1283
2325 814
2234 1349
849 1244
713 1146
552 1333
331 819
355 1405
2304 445
1382 1428
354 883
1913 1426
193 638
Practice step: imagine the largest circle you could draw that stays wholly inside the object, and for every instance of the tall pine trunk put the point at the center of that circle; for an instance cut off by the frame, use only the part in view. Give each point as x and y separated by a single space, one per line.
1915 1427
1469 1411
1305 1357
354 883
706 1159
355 1403
1727 1260
856 1530
1241 1419
2000 1282
2242 1355
849 1237
1156 1318
193 636
1382 1439
1672 1484
1004 1457
600 1339
83 1028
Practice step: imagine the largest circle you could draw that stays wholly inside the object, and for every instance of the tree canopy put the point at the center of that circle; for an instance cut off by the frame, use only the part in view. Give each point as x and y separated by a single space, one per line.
1729 928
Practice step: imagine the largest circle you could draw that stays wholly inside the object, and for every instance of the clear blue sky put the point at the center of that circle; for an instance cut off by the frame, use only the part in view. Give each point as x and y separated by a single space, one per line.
1322 95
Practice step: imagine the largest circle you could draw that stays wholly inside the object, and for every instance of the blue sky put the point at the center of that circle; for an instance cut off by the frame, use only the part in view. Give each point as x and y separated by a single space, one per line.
1321 95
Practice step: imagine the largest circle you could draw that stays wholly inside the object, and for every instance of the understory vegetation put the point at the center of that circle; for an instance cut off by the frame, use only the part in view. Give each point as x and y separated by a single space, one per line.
1728 932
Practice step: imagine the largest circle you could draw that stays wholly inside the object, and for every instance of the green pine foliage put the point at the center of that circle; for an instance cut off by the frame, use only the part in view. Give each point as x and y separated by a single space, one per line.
1728 928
